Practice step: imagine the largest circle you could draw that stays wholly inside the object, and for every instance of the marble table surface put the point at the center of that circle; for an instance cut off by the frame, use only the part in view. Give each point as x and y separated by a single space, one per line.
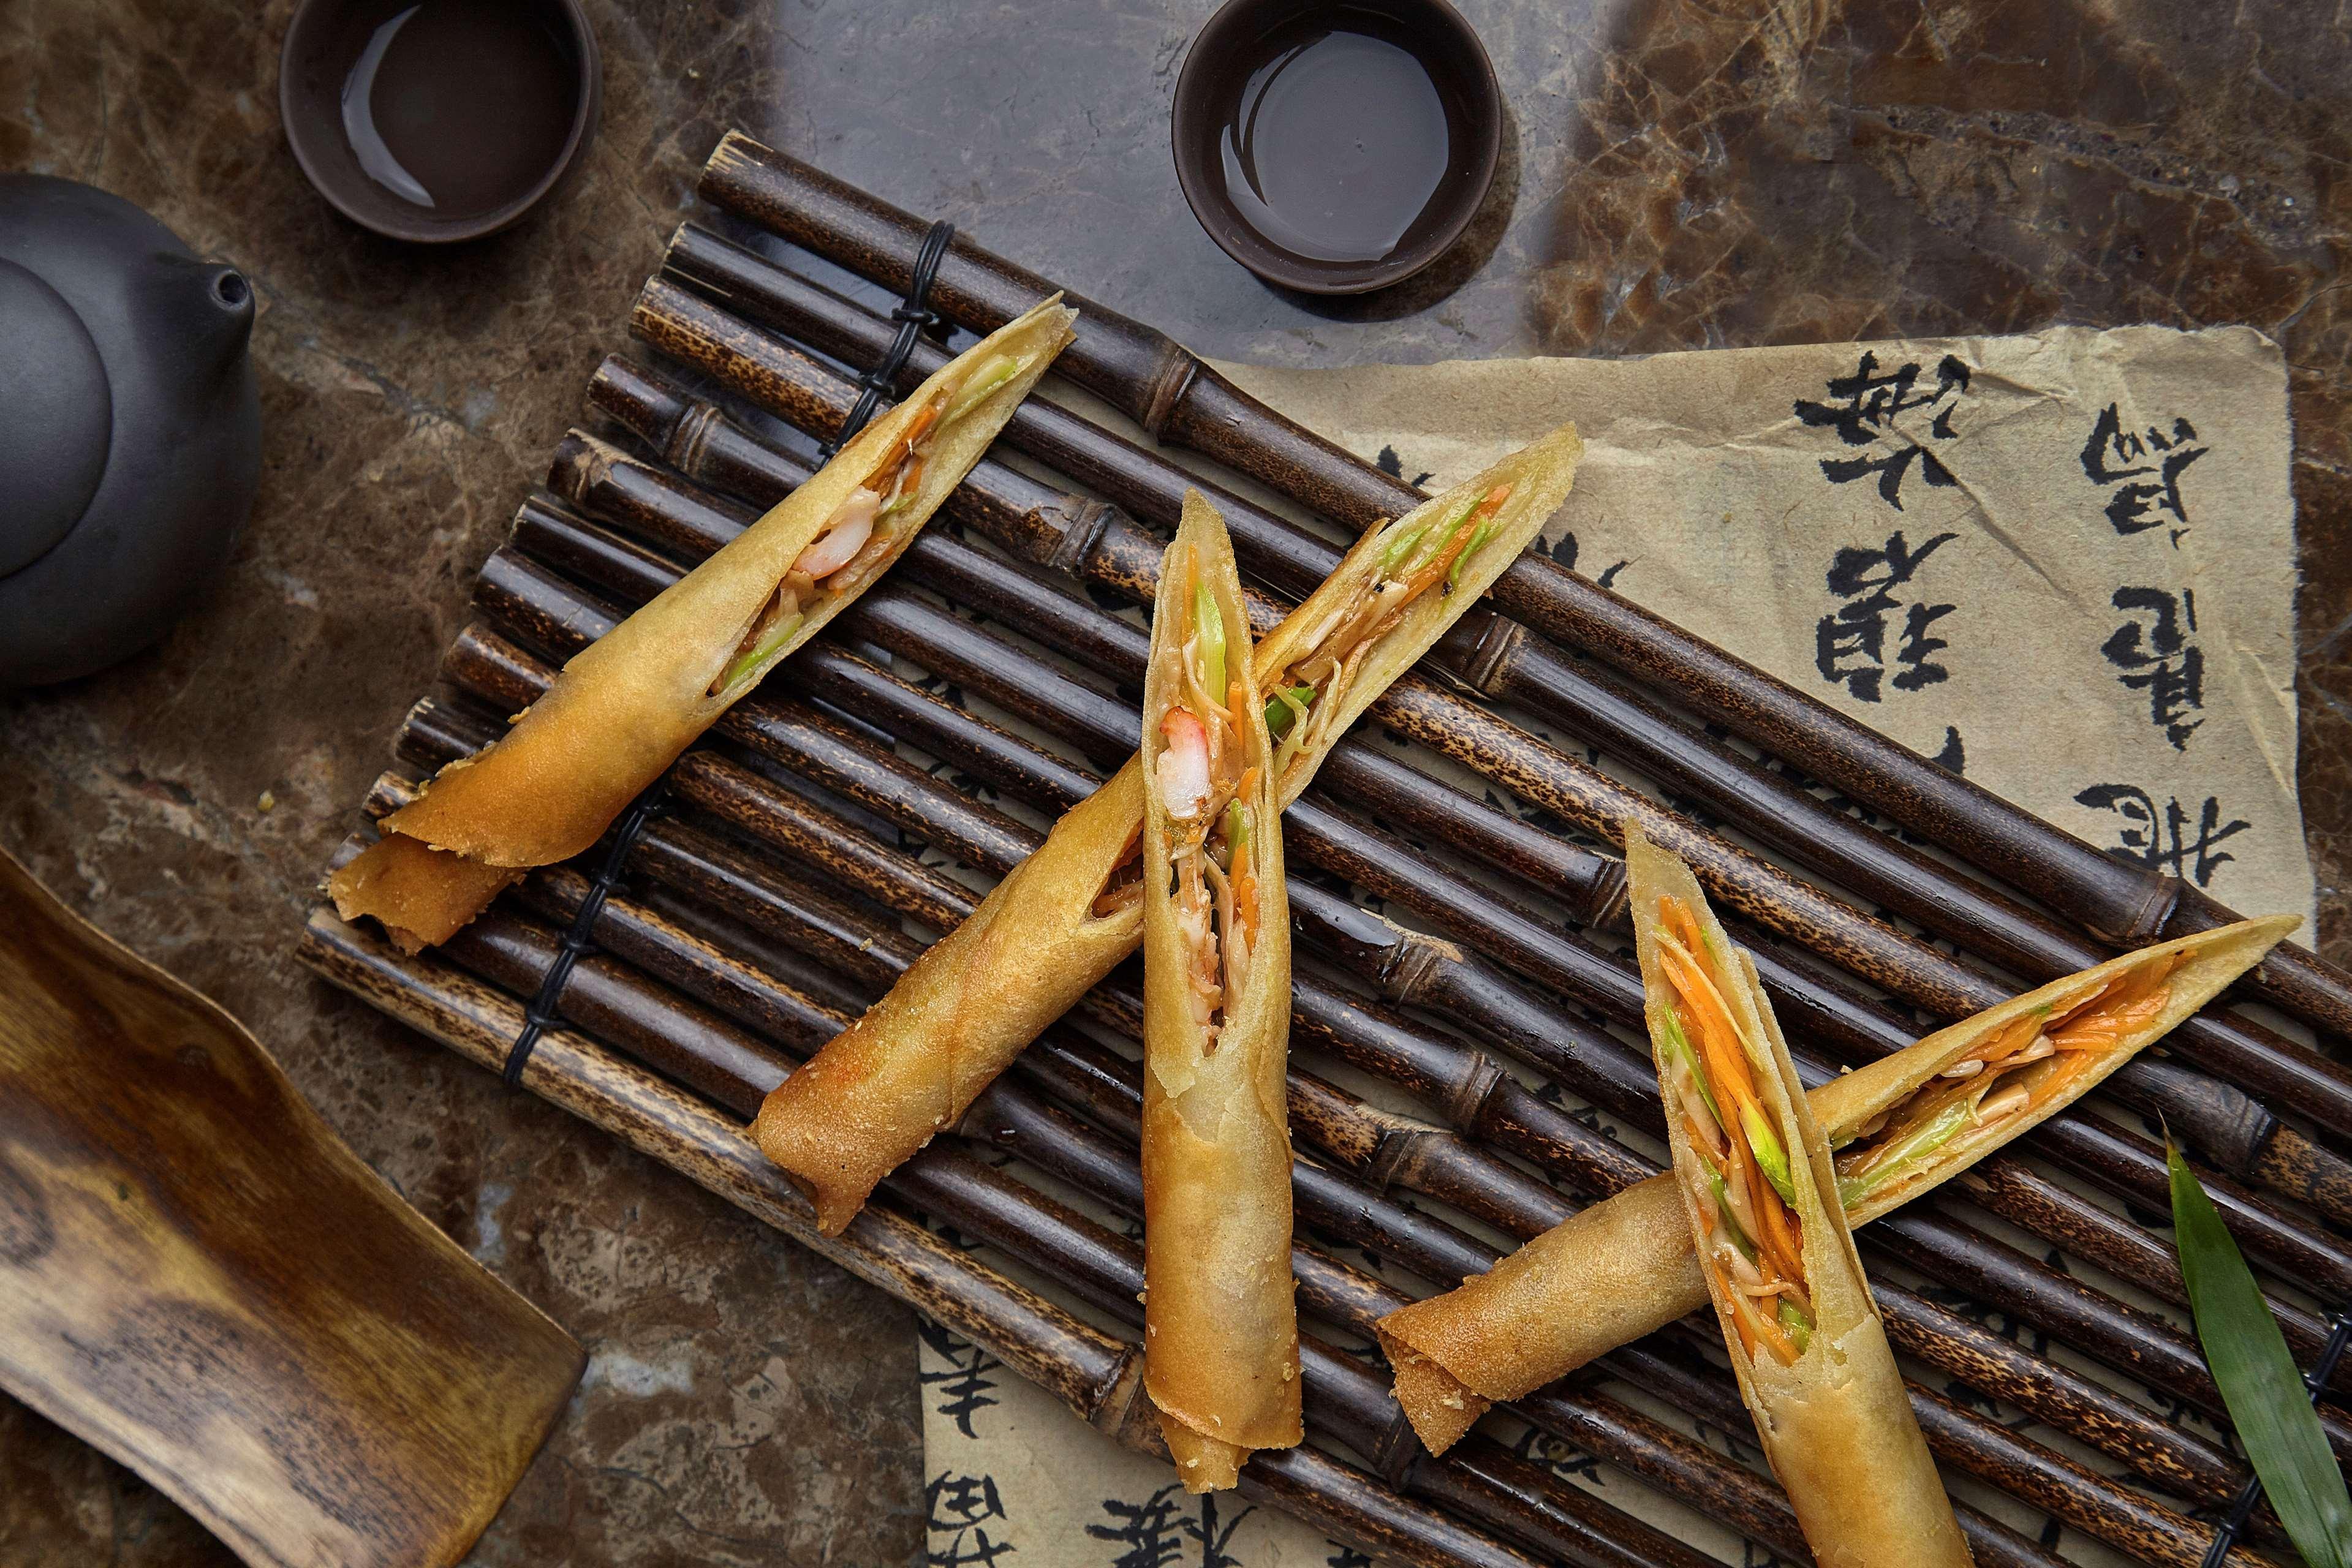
1675 176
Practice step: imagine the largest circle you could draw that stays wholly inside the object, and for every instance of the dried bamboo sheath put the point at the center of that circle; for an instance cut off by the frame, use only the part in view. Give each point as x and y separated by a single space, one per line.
1179 401
2233 1129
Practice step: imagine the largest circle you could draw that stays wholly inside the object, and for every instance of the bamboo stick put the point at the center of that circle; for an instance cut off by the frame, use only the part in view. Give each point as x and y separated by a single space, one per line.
1179 401
1499 1195
2235 1131
639 497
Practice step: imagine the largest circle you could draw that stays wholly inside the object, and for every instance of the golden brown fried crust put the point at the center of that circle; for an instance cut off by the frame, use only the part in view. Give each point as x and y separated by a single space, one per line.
909 1068
627 704
1221 1326
1535 1316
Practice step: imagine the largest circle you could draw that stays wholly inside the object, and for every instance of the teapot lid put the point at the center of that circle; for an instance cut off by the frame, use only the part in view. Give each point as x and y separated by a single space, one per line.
60 415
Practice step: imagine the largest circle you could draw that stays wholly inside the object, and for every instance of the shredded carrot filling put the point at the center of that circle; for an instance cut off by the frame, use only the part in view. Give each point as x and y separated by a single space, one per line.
2005 1080
1754 1250
861 535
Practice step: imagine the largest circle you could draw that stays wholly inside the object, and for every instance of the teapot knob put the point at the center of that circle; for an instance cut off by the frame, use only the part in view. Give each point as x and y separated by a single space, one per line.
58 411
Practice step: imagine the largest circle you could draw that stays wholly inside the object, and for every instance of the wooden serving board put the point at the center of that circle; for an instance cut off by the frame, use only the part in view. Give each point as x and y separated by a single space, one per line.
198 1278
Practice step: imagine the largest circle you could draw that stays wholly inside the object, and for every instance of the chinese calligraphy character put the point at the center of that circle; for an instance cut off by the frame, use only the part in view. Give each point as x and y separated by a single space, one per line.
1850 642
1866 418
2162 838
1147 1529
964 1381
1154 1533
962 1505
2158 656
2142 491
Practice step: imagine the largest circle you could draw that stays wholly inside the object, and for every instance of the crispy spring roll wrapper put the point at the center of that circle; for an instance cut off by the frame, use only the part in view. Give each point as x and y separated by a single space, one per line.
907 1069
1626 1266
1221 1323
627 704
1836 1424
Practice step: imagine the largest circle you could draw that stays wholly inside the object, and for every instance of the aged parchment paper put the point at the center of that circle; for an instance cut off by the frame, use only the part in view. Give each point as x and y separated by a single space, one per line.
2062 563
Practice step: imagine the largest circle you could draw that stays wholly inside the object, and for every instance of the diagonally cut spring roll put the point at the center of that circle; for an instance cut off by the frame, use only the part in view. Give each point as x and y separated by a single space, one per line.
1901 1125
1067 915
625 707
1752 1168
1221 1325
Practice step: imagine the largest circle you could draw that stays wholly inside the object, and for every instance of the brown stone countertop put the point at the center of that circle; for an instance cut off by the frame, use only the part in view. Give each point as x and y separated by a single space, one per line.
1678 177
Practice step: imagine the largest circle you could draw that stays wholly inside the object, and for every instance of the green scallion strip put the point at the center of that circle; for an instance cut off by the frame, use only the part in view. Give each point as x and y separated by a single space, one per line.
1798 1322
1208 636
984 381
1286 707
1945 1125
1454 573
1438 536
1771 1158
1731 1221
1393 555
1237 830
778 635
2265 1395
1678 1048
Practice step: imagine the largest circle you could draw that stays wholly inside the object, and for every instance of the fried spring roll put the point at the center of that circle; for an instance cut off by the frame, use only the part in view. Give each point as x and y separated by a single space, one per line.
627 705
1901 1125
1761 1195
1221 1326
907 1069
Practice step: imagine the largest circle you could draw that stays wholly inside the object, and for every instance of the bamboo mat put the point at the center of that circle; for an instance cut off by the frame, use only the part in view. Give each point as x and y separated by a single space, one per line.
1927 547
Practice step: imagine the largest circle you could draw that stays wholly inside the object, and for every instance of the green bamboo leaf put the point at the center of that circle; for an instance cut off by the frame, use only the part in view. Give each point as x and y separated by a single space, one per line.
2267 1400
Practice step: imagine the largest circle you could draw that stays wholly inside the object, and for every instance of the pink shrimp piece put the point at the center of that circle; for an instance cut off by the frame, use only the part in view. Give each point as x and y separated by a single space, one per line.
1184 765
852 525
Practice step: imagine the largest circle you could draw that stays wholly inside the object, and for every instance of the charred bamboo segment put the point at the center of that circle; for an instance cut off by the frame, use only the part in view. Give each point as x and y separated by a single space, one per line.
1182 401
2233 1130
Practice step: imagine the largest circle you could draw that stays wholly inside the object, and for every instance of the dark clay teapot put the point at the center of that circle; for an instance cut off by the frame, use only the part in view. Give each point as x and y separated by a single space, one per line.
133 441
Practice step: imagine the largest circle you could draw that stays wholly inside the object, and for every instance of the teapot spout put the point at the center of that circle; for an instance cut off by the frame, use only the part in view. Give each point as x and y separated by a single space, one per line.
213 304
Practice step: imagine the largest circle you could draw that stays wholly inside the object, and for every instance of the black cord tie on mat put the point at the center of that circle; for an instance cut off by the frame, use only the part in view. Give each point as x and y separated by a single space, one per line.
2331 1356
543 1013
913 318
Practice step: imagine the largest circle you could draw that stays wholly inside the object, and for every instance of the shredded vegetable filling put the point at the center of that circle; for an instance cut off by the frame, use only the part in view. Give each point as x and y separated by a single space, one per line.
865 531
1204 784
2013 1073
1754 1249
1412 559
